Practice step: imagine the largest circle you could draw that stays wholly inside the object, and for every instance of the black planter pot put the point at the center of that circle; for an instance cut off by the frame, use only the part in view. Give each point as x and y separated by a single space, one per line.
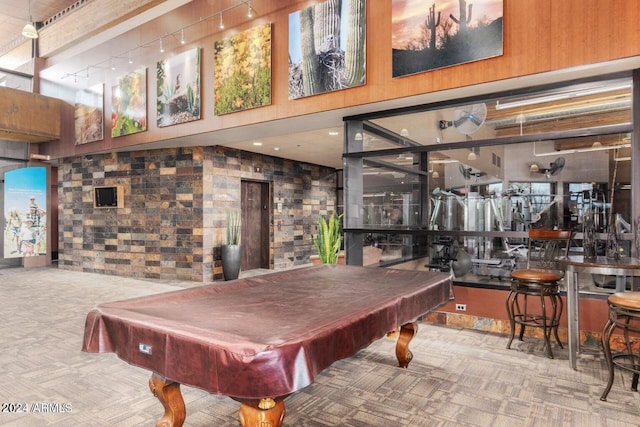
231 258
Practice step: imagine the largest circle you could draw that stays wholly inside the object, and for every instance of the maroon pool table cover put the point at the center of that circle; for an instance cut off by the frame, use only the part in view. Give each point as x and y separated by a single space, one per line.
264 336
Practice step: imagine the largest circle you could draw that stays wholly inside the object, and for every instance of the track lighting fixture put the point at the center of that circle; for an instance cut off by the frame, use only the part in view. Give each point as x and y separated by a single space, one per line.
111 63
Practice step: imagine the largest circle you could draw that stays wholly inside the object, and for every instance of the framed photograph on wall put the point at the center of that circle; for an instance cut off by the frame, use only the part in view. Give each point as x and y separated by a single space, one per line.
426 36
327 48
89 114
25 201
129 104
178 88
242 71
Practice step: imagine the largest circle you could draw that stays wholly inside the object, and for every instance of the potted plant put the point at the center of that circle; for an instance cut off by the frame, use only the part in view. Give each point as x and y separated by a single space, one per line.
231 253
329 239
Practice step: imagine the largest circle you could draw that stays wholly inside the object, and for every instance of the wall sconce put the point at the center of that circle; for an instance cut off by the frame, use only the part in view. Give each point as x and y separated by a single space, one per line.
435 175
358 136
472 156
534 168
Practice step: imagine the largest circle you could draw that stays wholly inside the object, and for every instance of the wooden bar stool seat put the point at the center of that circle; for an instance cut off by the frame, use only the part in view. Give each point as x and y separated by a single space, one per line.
534 297
624 314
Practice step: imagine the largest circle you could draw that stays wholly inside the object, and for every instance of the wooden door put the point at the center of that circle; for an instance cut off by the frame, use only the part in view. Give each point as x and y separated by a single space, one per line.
255 225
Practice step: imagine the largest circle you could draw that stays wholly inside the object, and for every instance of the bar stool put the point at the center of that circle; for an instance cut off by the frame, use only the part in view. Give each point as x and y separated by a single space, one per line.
624 313
540 280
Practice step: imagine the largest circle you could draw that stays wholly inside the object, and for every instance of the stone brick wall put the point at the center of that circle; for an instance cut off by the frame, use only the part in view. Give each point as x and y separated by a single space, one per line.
172 222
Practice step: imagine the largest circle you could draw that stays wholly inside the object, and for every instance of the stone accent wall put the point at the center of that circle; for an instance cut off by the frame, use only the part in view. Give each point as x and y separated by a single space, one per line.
300 192
172 222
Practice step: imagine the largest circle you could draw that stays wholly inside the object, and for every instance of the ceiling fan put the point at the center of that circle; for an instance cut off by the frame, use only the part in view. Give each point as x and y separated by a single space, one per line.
554 168
467 119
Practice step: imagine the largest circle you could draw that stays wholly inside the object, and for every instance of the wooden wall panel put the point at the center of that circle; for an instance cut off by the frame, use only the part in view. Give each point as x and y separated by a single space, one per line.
592 31
539 36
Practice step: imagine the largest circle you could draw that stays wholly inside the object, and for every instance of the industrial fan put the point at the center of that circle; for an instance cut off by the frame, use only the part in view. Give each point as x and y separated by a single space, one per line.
467 173
467 119
554 168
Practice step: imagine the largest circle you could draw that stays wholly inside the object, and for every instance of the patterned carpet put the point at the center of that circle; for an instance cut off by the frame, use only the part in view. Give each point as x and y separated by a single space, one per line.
457 377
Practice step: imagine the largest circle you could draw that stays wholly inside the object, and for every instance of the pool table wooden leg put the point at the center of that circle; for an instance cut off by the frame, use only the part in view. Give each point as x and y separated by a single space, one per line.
265 413
403 354
168 393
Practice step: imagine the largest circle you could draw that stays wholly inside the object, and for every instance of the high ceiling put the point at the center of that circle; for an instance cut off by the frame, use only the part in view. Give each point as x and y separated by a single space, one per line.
15 14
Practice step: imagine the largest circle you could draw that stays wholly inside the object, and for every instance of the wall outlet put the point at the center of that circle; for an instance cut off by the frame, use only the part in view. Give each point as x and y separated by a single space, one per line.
461 307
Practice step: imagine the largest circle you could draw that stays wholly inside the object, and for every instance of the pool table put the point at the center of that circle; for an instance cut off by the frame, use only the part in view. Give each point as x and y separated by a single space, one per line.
259 339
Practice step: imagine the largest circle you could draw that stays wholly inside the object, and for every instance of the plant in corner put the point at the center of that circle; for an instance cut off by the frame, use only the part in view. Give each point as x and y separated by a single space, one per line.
329 239
233 228
231 252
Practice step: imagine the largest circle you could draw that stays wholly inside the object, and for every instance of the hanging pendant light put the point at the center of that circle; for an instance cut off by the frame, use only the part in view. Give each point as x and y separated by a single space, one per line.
29 30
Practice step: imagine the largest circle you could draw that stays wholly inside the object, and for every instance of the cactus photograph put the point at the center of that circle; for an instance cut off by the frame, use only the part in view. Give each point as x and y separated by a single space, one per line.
427 36
178 88
242 71
327 47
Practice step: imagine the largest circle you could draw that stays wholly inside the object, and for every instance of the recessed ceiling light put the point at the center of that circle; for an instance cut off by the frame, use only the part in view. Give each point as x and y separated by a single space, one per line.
334 133
257 143
276 148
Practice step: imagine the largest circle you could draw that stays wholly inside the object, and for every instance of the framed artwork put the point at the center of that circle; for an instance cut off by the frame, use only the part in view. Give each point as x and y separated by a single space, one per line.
327 47
25 201
242 71
89 114
178 81
129 104
426 36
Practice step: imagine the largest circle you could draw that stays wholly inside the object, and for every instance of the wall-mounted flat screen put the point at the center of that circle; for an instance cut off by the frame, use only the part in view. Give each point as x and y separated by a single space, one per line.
108 197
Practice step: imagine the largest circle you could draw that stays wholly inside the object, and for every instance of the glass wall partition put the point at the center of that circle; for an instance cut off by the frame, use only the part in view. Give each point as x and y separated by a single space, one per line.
457 186
16 80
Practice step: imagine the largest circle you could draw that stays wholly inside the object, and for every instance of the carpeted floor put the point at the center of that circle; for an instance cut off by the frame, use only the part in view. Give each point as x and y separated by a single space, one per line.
457 377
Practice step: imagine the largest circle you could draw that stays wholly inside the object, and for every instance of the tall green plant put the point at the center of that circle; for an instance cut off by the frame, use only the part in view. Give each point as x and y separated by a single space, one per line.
233 228
329 239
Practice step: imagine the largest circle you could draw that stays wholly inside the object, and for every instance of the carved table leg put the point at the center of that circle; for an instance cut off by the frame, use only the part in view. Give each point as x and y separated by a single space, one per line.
403 354
168 393
264 413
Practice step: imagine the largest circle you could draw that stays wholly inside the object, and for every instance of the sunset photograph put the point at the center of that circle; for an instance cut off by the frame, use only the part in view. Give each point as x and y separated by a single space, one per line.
430 36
